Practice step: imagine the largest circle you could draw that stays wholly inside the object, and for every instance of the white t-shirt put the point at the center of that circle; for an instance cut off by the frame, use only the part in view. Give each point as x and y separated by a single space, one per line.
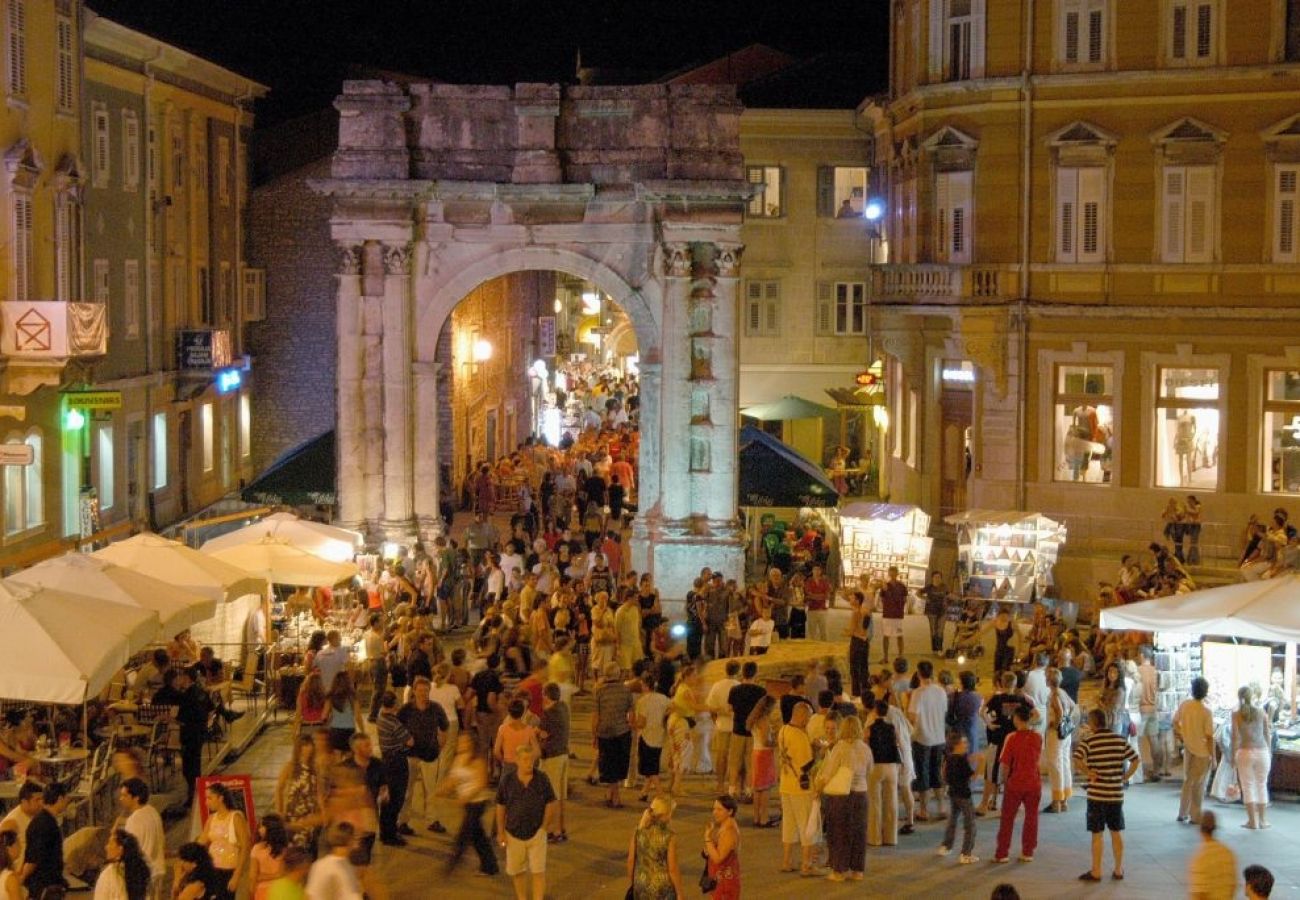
496 583
333 878
929 709
147 827
760 633
331 661
20 820
111 884
512 564
718 705
446 697
653 707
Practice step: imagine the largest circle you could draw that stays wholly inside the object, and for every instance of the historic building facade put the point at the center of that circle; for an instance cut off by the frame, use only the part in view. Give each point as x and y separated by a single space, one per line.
639 190
1088 304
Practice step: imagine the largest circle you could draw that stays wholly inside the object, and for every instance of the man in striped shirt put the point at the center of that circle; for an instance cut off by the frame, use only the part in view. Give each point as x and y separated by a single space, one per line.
1103 756
394 743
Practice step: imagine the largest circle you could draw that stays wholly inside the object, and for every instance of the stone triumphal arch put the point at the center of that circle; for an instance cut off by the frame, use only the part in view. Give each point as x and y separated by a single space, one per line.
639 190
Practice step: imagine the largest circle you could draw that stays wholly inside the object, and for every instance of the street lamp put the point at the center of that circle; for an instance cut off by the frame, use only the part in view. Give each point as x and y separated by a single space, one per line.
482 350
875 209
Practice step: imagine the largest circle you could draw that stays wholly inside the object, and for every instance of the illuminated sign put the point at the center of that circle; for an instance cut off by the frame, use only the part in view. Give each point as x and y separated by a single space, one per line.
228 380
94 399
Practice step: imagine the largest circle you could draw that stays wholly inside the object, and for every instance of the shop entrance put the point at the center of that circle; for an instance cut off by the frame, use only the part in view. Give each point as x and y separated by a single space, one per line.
956 408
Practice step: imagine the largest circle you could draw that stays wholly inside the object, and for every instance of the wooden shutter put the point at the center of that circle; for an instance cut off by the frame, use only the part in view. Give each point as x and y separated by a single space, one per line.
100 163
65 96
1284 214
1091 212
826 191
1067 206
63 249
1204 30
17 25
942 211
772 307
938 31
825 309
959 200
1096 31
754 174
1200 214
1070 15
977 39
753 307
22 246
1171 243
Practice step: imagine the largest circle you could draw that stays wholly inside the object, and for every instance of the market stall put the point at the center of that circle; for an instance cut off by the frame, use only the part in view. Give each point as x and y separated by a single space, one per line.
777 487
1006 556
1234 635
875 536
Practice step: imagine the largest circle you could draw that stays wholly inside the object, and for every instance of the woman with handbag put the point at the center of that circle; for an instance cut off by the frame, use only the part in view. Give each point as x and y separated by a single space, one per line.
652 855
721 876
1061 719
843 783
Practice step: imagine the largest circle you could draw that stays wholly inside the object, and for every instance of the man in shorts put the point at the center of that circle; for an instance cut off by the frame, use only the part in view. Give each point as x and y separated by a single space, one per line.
1107 761
893 602
525 804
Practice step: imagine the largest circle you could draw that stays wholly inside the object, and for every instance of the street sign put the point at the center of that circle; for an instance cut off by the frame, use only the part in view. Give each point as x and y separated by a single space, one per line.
94 399
546 336
17 455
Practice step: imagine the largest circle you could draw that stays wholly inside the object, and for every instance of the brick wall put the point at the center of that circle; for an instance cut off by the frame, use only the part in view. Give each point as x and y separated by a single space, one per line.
294 348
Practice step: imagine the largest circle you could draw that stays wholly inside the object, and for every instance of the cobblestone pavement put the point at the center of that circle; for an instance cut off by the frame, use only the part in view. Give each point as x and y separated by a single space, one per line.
592 864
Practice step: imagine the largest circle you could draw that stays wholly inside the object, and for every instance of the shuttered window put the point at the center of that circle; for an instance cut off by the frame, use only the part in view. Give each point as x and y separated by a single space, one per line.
1080 214
1284 213
841 307
65 92
1190 217
1192 31
953 217
956 40
762 308
16 33
21 221
1082 32
101 147
130 150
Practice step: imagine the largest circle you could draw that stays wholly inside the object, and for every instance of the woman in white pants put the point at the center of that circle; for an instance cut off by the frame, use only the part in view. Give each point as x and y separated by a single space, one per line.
1056 752
1251 737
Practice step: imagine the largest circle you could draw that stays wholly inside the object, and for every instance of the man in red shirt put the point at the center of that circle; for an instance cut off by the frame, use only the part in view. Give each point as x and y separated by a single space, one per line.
1023 786
816 594
893 602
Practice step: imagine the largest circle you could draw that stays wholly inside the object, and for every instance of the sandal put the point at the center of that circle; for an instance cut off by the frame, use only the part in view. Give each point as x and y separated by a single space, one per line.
1118 876
1088 876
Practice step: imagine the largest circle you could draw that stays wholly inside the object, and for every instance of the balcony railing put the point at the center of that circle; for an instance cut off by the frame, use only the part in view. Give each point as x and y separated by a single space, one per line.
943 282
52 331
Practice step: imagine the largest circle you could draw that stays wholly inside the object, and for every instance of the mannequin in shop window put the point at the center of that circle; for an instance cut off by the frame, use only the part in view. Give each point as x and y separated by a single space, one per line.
1080 437
1185 445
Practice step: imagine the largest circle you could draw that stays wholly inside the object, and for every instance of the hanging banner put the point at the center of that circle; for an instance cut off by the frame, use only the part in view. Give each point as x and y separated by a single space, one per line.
546 336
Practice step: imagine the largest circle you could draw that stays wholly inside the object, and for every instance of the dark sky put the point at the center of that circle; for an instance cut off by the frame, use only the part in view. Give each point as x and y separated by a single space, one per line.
303 48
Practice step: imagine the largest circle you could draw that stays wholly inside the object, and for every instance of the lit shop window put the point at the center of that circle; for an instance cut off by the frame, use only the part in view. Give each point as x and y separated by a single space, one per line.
1084 424
1282 433
1187 428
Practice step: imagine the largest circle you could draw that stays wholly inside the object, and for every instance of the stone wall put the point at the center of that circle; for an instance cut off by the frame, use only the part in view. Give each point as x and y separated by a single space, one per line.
294 348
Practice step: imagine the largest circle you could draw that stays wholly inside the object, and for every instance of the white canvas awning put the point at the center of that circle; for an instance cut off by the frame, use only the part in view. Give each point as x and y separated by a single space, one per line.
64 648
79 573
1266 610
280 563
176 564
993 517
326 541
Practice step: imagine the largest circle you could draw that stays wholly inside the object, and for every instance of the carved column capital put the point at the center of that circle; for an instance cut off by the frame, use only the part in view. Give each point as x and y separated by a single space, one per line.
350 256
727 260
678 259
397 259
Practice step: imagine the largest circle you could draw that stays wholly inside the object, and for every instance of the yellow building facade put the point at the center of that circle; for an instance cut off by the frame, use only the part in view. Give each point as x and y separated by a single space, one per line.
1089 304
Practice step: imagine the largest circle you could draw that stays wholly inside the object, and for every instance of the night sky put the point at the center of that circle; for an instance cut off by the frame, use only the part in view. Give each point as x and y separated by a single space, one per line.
302 49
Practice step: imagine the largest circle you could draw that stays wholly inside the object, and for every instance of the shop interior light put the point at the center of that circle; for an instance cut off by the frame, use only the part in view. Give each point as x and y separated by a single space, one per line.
392 550
482 350
591 303
559 305
74 419
964 375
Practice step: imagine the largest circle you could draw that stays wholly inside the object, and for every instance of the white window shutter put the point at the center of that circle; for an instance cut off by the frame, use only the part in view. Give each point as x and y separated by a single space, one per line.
1204 30
753 316
1285 196
959 198
1178 31
17 46
825 310
1071 12
938 30
1171 243
1091 212
1096 31
1200 214
977 39
942 216
1067 206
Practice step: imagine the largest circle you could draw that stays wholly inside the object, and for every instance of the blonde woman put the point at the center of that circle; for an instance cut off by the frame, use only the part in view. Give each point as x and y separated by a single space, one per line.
652 854
1251 739
842 781
604 640
1060 711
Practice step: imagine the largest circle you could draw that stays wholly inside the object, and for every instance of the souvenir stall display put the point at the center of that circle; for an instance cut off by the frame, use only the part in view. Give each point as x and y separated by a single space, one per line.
1006 556
875 536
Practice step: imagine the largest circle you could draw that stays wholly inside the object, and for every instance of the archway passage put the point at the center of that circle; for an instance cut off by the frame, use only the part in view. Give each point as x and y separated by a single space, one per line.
541 377
638 191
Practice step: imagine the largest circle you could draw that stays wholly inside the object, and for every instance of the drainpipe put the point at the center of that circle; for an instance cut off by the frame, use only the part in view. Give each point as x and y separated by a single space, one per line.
1026 196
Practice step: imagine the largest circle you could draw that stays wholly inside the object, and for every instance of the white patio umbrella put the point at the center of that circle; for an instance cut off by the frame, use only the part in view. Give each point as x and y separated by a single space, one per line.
181 566
281 563
1266 610
81 574
326 541
63 648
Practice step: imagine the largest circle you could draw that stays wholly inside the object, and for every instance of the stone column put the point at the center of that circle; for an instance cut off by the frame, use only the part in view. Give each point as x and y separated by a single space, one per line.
721 498
399 476
427 484
349 426
647 487
675 387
